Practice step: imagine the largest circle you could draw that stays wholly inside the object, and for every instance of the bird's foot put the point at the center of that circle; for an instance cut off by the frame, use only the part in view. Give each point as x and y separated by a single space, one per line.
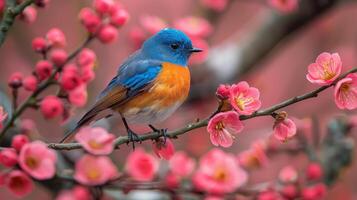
162 132
133 137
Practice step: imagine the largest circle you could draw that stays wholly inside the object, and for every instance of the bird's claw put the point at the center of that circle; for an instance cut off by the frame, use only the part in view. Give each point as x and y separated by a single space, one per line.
133 137
162 132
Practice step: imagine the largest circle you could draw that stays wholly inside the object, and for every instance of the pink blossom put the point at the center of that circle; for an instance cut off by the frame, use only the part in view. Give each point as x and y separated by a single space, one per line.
194 26
219 173
70 78
78 97
346 92
96 141
216 5
181 164
244 99
285 6
290 191
8 157
223 91
172 180
43 69
15 80
108 34
38 160
163 149
30 83
284 128
119 16
51 106
86 58
3 116
253 157
56 37
29 14
325 69
77 193
95 170
39 44
222 128
19 183
141 166
288 174
18 141
314 172
87 75
314 192
89 19
58 57
2 5
152 24
269 194
103 6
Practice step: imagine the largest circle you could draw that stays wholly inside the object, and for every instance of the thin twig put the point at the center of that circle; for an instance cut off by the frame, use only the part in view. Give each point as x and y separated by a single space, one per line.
9 16
173 134
31 100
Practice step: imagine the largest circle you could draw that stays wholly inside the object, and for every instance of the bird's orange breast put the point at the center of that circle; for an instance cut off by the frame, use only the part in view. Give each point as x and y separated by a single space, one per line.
170 87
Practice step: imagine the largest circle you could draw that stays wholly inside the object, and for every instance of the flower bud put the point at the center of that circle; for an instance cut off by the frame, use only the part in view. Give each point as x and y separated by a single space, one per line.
108 34
18 141
39 44
30 83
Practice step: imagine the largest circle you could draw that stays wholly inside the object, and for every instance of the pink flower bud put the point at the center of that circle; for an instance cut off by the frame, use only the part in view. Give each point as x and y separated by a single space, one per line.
19 183
172 180
30 83
223 91
41 3
2 5
103 6
56 37
284 128
18 141
29 14
70 78
314 192
43 69
163 149
39 44
108 34
119 17
89 19
58 57
86 58
78 97
15 80
51 106
288 174
87 75
314 172
289 191
8 157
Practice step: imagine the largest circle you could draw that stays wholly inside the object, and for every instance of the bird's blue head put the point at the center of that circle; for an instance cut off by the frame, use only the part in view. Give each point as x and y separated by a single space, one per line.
169 45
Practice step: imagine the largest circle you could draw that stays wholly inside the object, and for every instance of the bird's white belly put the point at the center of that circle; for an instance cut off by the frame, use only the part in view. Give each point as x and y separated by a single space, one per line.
151 114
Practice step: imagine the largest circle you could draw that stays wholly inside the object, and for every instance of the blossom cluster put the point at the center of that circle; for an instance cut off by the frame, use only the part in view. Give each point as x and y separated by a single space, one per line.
197 28
241 99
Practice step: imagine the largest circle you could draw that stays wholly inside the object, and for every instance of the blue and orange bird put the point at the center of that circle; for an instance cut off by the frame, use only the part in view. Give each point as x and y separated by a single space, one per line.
149 86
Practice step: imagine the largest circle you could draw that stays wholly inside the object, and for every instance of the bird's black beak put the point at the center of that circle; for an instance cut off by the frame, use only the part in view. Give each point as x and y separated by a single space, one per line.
195 50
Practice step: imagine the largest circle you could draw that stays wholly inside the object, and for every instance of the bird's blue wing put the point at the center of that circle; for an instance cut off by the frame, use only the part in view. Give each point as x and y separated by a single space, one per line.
134 78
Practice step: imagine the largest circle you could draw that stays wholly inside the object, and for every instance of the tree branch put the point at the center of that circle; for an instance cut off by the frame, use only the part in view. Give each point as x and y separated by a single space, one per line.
31 100
174 134
9 16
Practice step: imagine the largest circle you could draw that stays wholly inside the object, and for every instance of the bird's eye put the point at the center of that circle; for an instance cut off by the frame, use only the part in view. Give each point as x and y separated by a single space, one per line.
174 46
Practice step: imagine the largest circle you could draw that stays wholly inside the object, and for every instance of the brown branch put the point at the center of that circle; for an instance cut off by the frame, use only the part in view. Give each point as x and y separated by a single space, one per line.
9 16
174 134
31 100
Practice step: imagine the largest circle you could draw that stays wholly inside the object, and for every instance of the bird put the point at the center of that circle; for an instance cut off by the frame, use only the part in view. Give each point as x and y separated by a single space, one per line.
149 85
